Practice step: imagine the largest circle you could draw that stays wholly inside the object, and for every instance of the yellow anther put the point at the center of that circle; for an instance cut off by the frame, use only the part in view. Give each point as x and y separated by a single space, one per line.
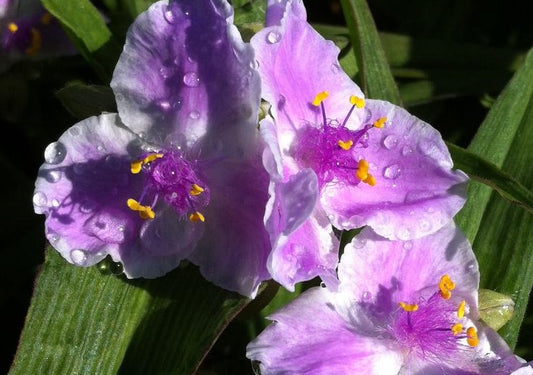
379 123
461 309
36 42
370 180
357 101
320 97
471 336
457 329
407 307
145 212
197 216
345 145
150 158
12 27
196 190
446 285
136 166
46 18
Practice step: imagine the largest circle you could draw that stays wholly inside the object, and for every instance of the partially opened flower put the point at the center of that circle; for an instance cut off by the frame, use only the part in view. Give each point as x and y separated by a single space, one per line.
177 173
355 162
400 308
28 31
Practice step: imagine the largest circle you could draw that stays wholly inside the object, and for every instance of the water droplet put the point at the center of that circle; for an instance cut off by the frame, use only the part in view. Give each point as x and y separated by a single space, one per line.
39 199
191 79
407 245
471 266
116 268
78 257
169 15
281 101
424 225
392 172
53 237
55 203
403 234
406 150
367 114
254 64
390 142
52 176
195 115
74 131
273 37
367 296
322 284
177 104
87 207
359 244
165 72
100 147
55 153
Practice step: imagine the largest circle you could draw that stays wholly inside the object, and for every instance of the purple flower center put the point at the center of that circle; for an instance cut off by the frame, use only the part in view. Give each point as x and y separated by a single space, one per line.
168 175
329 148
433 328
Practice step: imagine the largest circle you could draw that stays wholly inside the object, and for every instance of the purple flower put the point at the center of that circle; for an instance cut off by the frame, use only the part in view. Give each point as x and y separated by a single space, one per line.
340 158
28 31
399 308
177 174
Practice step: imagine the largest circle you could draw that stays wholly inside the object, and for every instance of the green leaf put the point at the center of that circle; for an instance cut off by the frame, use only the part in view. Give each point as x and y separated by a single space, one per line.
87 321
88 32
375 76
249 17
83 101
500 232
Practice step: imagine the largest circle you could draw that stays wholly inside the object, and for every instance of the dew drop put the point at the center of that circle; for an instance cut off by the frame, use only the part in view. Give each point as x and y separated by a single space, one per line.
78 257
74 131
359 244
169 16
39 199
273 37
367 296
322 284
424 225
52 237
407 150
254 64
195 115
164 105
87 207
191 79
100 147
165 72
471 266
367 115
390 142
403 234
407 245
392 172
55 153
53 176
55 203
177 104
116 268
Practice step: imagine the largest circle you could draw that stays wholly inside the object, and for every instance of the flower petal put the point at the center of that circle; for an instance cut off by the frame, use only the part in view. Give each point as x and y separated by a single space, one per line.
83 187
374 268
295 64
308 337
185 69
235 247
416 191
275 11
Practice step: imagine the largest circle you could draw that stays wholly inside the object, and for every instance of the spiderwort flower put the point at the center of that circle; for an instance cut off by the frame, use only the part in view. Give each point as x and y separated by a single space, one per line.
28 31
355 162
399 308
177 173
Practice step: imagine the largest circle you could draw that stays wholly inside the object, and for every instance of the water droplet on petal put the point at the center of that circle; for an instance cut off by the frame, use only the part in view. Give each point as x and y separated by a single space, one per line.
424 225
176 105
359 244
55 203
100 147
322 284
169 16
367 296
390 142
52 176
165 72
164 105
403 234
87 207
191 79
195 115
74 131
52 237
392 172
254 64
273 37
55 153
367 115
78 257
406 150
116 268
407 245
471 266
39 199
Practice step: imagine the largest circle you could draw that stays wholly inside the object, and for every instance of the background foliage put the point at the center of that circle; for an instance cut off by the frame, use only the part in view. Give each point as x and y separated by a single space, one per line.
450 60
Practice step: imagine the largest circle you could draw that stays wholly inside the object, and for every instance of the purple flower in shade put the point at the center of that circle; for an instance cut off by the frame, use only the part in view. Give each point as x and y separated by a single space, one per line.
335 157
28 31
400 307
177 174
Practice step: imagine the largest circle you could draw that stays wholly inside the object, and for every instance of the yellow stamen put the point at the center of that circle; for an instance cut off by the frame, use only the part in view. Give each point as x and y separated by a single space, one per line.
320 97
362 170
461 309
145 212
345 145
407 307
370 180
457 329
136 166
197 216
196 190
379 123
46 18
12 27
357 101
446 285
471 336
36 42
